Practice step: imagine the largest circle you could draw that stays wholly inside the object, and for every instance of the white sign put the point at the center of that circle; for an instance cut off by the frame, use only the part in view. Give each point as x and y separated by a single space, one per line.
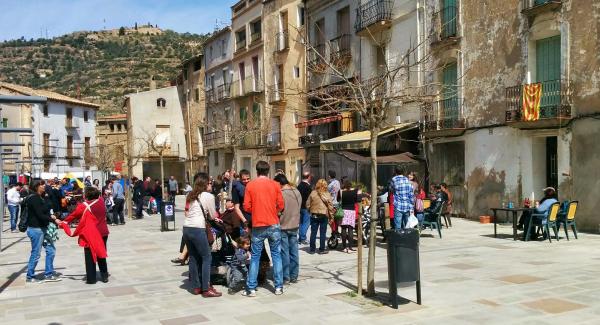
168 210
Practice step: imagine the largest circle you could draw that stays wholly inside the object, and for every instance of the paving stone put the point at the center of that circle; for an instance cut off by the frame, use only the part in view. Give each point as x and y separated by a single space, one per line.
119 291
192 319
462 266
262 318
554 305
520 278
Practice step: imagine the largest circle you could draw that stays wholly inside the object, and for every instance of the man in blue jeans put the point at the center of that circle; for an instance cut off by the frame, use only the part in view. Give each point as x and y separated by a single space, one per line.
404 198
304 188
263 199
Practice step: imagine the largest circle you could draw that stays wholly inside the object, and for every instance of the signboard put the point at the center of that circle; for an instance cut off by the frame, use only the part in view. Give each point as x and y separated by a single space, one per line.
168 210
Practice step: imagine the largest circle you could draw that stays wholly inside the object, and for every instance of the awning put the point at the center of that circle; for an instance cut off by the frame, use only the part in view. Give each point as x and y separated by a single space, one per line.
400 158
360 140
319 121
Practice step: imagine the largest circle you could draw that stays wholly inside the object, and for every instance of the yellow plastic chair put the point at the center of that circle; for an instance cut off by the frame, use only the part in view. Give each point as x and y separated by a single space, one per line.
569 219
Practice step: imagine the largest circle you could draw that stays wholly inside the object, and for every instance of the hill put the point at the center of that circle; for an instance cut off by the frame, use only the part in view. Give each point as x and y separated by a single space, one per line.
98 66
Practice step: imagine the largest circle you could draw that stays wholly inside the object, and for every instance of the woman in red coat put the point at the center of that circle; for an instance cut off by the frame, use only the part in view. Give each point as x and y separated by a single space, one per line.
92 231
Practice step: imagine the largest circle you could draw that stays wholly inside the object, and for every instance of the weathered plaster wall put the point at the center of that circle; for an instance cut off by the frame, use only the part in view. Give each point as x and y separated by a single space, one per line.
585 151
492 57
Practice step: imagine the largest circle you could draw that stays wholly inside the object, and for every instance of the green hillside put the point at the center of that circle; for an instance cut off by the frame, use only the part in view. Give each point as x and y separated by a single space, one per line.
105 65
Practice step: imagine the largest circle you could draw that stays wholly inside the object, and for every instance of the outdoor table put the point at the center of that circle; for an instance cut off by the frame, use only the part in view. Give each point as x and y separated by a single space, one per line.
509 211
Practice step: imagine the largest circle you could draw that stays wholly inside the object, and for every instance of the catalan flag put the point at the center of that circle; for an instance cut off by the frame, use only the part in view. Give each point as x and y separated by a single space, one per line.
532 95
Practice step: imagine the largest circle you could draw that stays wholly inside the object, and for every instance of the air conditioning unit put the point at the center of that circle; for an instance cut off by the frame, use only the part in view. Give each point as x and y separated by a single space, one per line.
398 119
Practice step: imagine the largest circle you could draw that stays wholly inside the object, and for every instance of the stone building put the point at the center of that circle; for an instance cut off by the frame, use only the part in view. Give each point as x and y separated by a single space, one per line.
248 88
285 80
111 134
218 52
193 107
155 121
518 101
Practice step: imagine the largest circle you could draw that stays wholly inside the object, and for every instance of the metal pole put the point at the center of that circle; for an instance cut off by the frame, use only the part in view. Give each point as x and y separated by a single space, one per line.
1 197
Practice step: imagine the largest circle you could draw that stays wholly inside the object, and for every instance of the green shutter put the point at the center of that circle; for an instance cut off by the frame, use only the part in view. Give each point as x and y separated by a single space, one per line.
256 111
4 122
548 73
450 94
548 59
243 115
449 19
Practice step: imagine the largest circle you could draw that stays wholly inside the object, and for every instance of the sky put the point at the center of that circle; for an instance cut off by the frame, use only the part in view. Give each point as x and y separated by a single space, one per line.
33 18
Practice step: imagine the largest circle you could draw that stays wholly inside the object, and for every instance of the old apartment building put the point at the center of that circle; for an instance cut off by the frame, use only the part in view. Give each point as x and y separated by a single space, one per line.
248 86
285 80
218 52
518 101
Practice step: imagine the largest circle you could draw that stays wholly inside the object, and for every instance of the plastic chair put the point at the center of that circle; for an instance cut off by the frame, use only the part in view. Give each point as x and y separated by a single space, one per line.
433 219
569 219
426 203
545 221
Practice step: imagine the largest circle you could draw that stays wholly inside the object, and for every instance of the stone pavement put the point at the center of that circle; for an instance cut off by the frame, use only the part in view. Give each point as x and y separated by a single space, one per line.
468 277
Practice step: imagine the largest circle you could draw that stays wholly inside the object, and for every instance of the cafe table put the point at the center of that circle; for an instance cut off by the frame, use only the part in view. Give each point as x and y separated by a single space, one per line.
509 212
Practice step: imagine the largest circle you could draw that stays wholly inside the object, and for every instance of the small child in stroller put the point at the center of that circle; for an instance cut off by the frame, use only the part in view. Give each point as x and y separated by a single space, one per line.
238 267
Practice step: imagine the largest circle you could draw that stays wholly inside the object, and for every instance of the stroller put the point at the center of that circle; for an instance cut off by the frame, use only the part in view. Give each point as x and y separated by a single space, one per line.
335 237
223 251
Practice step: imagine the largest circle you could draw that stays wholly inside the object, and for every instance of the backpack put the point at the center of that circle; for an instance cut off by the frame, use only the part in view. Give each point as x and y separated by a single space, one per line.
23 218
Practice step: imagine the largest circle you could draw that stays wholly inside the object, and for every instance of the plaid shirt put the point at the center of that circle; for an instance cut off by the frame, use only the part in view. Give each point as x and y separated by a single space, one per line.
404 196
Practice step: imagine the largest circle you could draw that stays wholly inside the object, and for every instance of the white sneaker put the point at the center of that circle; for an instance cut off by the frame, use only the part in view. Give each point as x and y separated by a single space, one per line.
278 291
249 293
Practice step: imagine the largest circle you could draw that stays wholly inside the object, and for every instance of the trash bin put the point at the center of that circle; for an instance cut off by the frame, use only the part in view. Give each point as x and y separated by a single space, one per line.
167 214
403 261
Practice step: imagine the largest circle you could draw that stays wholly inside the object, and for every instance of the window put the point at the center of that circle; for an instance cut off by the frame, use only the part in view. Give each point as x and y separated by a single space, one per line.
46 166
45 110
255 31
197 94
210 51
216 158
223 48
119 127
296 72
240 39
86 148
4 122
46 140
69 146
161 102
198 64
301 14
163 135
85 116
243 115
112 127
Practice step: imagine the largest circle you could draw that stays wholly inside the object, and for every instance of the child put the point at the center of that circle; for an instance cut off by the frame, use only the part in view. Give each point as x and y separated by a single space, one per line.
231 221
238 267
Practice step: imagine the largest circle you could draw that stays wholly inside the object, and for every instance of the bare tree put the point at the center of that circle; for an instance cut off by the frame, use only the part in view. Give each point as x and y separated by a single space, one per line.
103 157
160 146
336 89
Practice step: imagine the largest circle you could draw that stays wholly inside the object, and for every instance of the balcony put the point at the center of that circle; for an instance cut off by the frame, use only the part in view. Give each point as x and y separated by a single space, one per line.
282 42
273 141
71 124
210 96
340 54
276 94
316 59
554 105
443 118
445 27
73 153
253 85
373 16
325 128
223 92
255 38
49 152
217 139
252 141
532 8
167 152
240 46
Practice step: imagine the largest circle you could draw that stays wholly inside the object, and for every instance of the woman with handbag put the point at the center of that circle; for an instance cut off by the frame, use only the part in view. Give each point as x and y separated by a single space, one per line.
321 209
348 198
199 209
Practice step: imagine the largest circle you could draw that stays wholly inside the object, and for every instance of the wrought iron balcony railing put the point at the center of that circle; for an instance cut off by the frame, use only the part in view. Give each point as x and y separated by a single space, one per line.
217 138
223 91
554 100
276 94
534 7
255 38
316 58
325 128
240 45
445 25
282 41
273 140
443 115
210 96
340 52
373 12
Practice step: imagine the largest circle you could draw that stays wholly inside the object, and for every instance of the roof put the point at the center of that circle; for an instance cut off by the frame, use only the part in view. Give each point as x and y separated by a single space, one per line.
113 117
52 96
360 139
217 33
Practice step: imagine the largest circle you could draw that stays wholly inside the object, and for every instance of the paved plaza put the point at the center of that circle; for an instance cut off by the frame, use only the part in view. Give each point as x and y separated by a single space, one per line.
469 277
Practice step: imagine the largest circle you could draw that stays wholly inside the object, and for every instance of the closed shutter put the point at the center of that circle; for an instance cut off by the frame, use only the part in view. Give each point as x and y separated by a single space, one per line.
450 92
449 20
548 73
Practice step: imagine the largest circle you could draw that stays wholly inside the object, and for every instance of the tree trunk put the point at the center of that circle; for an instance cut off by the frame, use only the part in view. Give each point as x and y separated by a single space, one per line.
359 264
162 177
374 217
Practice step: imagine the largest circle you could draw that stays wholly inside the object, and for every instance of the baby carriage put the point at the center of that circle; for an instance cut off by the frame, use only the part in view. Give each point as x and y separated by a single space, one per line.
223 250
335 237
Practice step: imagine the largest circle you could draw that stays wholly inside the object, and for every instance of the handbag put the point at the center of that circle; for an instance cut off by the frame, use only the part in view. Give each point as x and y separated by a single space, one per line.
339 212
210 236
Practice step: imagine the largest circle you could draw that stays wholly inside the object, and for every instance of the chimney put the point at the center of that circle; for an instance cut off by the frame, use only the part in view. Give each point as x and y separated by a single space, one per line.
152 83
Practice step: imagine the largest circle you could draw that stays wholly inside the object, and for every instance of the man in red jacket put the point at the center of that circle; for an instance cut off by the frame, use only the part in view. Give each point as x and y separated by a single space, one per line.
263 199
